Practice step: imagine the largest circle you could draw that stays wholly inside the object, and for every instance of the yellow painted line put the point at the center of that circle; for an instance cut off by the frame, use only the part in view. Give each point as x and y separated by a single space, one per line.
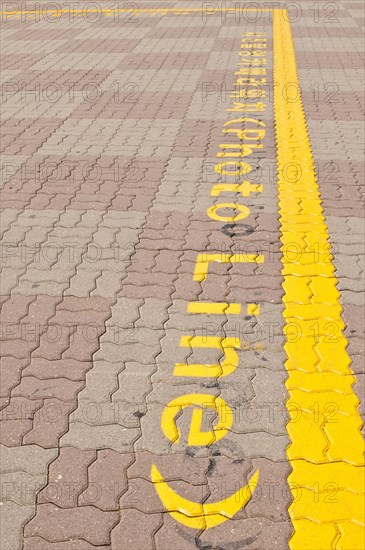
326 451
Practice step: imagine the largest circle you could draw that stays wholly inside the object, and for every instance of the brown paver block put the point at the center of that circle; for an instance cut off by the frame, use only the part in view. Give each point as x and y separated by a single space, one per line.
174 535
38 543
181 466
60 525
34 388
10 372
71 369
124 532
67 478
107 480
50 422
20 408
13 431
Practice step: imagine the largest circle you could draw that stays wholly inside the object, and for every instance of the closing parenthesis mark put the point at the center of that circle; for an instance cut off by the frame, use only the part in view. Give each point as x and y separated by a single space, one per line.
201 516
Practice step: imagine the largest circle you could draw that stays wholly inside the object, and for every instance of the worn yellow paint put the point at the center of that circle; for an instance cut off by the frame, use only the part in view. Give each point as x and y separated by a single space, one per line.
240 166
197 370
245 188
237 150
253 309
214 308
199 402
201 516
244 212
239 107
203 260
327 448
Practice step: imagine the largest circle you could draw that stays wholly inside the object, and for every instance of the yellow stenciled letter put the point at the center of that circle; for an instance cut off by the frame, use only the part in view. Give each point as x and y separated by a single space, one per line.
199 401
203 260
244 212
227 366
248 133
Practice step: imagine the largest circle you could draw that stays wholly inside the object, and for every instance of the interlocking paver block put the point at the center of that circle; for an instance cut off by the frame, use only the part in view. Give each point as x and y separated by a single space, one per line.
59 525
23 471
125 534
68 471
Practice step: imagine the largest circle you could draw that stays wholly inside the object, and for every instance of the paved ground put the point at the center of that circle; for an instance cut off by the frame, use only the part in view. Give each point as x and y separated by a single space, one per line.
132 302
